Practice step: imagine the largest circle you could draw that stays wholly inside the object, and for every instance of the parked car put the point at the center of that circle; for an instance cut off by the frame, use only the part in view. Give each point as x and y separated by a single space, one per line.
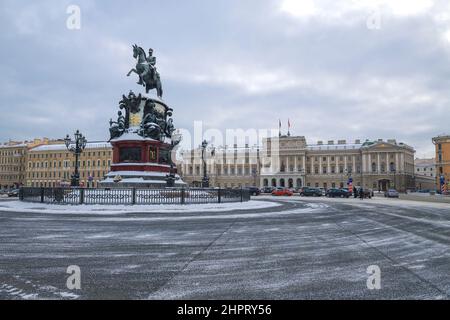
254 191
13 193
267 189
282 192
391 193
334 192
310 192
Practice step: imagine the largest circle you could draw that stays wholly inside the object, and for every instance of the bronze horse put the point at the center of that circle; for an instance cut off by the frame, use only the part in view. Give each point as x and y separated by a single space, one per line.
148 76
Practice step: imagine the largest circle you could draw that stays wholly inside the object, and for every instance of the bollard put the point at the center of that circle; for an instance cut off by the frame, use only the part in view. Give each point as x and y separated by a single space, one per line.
133 199
182 196
81 196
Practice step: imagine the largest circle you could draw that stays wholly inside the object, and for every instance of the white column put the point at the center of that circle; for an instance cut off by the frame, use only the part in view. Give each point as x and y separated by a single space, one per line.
397 167
295 164
363 163
304 163
328 165
354 164
345 163
287 164
378 163
320 164
402 161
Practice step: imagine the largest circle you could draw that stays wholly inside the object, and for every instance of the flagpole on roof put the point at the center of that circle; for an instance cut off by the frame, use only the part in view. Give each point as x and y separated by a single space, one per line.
289 128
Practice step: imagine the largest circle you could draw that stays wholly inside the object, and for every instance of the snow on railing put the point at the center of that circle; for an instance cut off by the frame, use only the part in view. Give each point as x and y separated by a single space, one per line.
75 196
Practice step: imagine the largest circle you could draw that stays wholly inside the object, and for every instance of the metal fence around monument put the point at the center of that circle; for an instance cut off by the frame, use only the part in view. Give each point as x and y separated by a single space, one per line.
130 196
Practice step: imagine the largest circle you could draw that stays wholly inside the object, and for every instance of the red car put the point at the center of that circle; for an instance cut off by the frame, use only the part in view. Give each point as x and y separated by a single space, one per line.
282 192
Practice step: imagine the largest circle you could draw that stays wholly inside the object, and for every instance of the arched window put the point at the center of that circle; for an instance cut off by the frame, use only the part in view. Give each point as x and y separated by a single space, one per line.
374 167
282 184
291 183
392 167
274 182
299 183
265 182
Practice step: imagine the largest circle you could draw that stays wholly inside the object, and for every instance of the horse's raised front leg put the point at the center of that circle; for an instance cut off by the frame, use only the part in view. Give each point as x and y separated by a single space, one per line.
132 70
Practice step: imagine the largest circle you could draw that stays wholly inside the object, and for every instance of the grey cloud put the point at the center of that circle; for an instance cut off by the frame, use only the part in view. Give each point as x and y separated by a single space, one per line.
232 64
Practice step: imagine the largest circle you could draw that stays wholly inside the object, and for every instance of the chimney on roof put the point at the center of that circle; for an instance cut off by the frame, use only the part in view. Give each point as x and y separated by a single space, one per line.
320 142
342 142
330 141
357 141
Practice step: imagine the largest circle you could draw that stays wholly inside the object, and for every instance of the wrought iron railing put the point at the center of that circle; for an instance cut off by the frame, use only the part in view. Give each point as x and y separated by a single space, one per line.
132 195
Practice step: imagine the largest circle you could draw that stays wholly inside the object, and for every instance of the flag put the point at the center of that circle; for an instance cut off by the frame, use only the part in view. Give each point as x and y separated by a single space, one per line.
279 123
289 123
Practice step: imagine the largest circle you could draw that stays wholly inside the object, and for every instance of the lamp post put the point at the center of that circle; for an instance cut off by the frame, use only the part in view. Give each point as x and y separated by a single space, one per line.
205 179
394 171
76 147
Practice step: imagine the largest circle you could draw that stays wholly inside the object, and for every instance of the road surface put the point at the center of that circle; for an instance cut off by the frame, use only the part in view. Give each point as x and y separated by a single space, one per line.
307 248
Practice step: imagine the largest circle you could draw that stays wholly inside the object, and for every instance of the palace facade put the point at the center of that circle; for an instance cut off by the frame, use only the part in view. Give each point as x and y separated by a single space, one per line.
227 167
288 161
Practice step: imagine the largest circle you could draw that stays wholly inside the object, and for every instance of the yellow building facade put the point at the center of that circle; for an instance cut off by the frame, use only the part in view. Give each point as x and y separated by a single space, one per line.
53 165
442 144
12 161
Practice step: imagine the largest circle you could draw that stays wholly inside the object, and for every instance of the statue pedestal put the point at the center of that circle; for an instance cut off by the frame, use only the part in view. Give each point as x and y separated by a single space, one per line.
140 162
142 152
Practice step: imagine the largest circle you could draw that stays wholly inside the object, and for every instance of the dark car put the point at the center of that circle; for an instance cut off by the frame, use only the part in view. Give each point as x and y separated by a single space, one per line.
267 189
334 192
254 191
310 192
13 193
391 193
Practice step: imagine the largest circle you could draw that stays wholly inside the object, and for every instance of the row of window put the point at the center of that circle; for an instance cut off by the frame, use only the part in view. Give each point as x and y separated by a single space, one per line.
11 160
11 153
246 171
66 154
54 184
65 175
68 163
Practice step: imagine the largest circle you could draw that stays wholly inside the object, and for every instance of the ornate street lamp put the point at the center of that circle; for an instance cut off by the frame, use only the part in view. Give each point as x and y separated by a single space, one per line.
394 171
77 148
205 179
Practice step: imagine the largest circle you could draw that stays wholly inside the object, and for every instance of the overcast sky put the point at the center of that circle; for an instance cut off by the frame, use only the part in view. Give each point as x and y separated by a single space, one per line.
337 69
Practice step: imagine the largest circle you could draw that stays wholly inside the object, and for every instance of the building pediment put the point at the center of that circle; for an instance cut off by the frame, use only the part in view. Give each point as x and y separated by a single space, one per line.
381 146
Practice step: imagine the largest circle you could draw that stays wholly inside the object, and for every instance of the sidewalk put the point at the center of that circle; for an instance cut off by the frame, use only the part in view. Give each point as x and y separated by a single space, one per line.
425 197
